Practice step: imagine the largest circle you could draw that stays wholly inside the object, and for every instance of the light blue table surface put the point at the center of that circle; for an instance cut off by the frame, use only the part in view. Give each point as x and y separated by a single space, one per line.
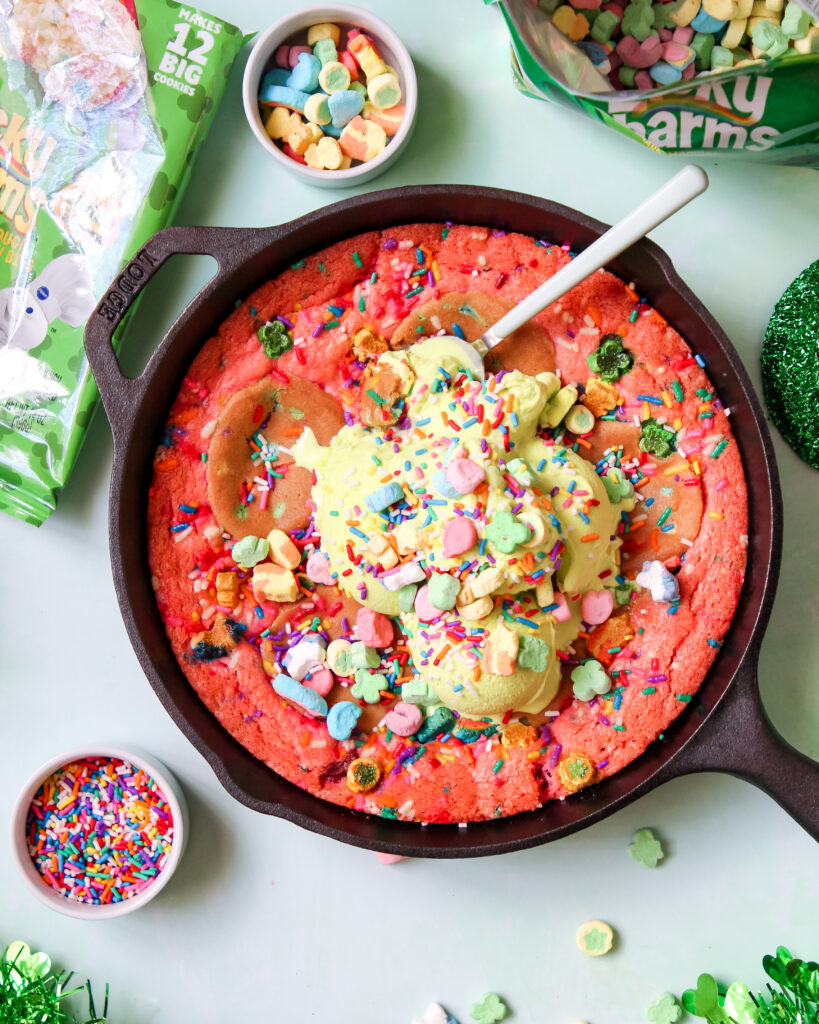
266 922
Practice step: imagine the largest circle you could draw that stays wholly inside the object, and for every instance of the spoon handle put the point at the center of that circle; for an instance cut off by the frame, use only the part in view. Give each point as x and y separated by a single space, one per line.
672 196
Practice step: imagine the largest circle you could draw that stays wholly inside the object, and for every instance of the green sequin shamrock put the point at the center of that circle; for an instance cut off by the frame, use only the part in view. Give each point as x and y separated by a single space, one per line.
618 486
706 1001
656 439
793 975
646 848
368 686
489 1010
275 339
506 532
25 965
590 680
610 360
665 1011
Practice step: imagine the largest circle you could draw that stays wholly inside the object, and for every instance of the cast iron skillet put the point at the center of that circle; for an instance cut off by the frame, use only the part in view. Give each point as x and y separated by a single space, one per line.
726 729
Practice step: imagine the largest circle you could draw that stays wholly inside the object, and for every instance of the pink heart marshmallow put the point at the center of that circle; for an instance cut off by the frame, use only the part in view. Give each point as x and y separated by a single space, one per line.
425 611
597 606
318 568
465 475
460 534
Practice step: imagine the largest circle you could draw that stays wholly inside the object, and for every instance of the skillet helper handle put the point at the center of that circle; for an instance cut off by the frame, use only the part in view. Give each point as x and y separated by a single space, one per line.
121 395
744 743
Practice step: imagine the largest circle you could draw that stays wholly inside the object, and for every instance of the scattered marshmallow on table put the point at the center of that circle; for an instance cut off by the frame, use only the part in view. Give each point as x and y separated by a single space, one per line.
349 97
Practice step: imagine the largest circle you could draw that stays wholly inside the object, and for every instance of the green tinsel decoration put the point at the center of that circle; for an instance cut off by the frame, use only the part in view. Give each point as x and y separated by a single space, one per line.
795 1000
32 992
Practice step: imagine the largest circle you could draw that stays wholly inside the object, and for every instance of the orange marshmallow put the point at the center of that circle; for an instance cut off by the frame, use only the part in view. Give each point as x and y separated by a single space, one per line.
389 118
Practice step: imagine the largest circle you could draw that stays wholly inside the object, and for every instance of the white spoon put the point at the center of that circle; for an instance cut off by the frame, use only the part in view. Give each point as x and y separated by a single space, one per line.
686 185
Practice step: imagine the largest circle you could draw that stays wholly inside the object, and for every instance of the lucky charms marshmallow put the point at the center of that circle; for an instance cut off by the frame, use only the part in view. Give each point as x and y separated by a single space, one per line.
329 104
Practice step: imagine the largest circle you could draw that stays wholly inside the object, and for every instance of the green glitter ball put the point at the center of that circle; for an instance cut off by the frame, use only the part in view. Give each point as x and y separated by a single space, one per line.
790 365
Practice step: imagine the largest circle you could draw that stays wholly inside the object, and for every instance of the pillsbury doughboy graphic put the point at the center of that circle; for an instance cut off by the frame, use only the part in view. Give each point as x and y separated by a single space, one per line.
63 290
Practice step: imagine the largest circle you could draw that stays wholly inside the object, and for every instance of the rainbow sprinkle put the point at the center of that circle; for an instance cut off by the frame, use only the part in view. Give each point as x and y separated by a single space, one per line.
99 830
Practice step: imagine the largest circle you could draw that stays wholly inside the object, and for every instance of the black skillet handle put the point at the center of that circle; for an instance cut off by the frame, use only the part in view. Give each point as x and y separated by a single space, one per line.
230 247
742 741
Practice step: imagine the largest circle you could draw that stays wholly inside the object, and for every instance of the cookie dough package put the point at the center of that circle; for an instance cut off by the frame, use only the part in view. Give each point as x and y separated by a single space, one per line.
103 104
675 77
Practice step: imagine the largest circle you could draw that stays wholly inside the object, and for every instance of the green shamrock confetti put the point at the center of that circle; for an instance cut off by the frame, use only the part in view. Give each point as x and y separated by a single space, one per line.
275 339
704 1001
618 486
656 439
589 680
665 1011
646 849
610 360
489 1010
368 686
506 532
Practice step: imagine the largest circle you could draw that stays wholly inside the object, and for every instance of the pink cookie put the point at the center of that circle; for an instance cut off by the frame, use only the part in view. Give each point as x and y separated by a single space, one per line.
465 475
403 719
318 568
666 35
281 57
640 55
683 34
688 73
425 611
387 858
460 534
373 628
597 606
642 80
584 5
321 680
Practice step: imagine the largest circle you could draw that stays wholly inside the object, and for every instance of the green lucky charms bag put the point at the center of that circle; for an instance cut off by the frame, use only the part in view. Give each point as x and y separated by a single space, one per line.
765 109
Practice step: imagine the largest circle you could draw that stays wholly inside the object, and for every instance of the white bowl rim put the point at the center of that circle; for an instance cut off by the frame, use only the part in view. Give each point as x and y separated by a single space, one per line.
303 18
19 847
